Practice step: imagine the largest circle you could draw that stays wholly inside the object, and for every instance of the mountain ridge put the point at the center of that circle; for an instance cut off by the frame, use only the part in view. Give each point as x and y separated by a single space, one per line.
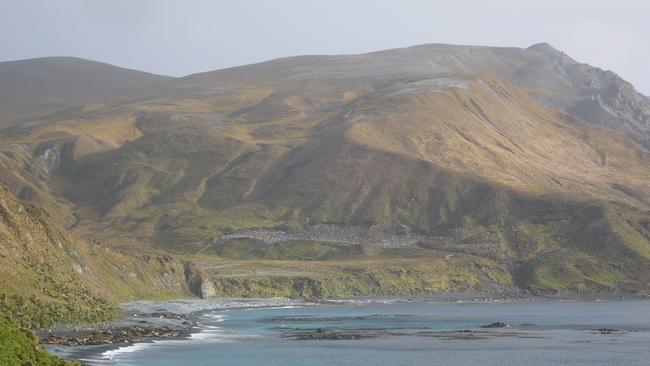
616 100
38 86
472 148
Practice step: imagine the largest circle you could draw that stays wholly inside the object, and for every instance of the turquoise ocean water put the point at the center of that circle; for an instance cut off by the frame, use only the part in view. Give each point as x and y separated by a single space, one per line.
539 333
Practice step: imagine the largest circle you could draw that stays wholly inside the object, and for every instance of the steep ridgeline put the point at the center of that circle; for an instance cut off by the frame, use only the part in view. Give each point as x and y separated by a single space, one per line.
48 275
496 153
595 95
552 77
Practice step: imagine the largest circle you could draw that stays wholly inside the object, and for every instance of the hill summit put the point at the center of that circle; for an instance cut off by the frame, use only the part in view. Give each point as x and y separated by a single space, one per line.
523 158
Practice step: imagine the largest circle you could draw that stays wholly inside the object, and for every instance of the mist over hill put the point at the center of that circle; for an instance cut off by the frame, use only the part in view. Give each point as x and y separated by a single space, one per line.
35 87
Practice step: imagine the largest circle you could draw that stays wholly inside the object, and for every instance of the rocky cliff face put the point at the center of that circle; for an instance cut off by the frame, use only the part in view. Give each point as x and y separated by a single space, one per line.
616 105
599 97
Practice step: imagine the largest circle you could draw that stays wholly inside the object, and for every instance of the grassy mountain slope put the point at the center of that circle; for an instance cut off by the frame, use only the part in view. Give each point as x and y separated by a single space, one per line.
35 87
465 147
369 275
49 275
552 77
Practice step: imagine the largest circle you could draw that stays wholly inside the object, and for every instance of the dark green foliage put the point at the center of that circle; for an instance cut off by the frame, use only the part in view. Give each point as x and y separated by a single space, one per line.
35 312
20 347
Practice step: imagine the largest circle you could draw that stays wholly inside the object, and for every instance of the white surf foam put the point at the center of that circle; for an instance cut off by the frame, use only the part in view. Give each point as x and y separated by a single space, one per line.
206 333
111 354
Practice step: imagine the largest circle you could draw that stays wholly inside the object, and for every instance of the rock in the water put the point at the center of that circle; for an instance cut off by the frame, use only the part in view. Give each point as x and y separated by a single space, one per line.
496 325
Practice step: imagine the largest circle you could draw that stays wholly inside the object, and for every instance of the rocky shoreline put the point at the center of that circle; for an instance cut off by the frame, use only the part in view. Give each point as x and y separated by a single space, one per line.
144 321
152 320
133 328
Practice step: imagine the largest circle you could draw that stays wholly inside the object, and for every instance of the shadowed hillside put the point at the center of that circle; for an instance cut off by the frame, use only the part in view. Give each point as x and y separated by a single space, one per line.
48 275
486 152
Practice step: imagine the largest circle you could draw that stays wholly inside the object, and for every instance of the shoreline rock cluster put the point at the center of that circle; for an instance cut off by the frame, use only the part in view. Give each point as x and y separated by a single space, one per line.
113 335
135 328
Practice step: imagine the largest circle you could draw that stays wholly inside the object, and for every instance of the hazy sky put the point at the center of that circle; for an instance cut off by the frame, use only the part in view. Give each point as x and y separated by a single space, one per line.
186 36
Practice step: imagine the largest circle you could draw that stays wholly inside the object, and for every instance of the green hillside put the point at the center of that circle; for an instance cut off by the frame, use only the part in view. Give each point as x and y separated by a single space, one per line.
21 347
48 275
485 154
